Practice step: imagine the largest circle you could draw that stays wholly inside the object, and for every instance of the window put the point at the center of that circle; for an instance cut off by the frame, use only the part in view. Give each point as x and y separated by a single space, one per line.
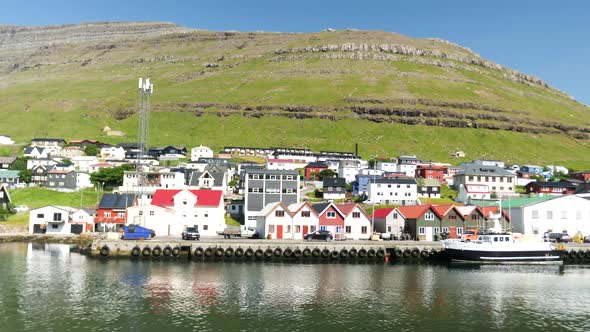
289 177
57 217
445 229
563 214
54 226
205 227
297 229
364 229
459 230
107 214
312 229
453 217
549 215
322 228
536 214
121 214
436 230
279 213
395 215
578 214
331 214
338 229
421 230
429 216
40 215
206 214
152 213
288 229
347 229
140 213
356 214
184 201
254 176
305 214
271 228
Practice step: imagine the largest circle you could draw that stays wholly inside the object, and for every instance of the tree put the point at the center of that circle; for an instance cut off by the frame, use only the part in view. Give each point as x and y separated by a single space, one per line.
91 150
25 175
327 173
20 164
110 177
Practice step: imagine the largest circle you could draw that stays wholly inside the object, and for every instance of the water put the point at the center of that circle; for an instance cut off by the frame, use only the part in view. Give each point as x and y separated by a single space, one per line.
47 288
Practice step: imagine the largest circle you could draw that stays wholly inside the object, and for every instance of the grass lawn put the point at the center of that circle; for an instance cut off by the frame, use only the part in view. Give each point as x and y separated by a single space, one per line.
38 197
231 221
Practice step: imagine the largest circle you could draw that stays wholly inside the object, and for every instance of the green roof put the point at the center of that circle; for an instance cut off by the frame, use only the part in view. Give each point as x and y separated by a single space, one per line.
512 202
8 174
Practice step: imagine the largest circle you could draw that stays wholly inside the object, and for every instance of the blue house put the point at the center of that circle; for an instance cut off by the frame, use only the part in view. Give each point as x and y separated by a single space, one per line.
534 169
361 185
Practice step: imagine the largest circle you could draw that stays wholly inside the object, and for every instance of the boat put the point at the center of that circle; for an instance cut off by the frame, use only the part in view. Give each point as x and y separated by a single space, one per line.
501 248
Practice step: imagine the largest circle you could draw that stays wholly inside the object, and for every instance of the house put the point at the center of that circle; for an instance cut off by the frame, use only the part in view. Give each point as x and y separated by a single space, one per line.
284 164
86 142
167 152
387 166
6 162
71 151
584 176
83 163
171 210
216 161
421 221
407 165
583 190
497 179
83 216
235 209
535 169
35 152
550 188
488 162
334 188
39 174
9 178
150 182
451 220
305 219
361 185
399 191
429 188
348 221
212 177
112 152
47 142
349 169
468 192
388 220
262 187
275 221
313 169
535 216
201 152
4 196
6 140
431 171
111 213
61 180
98 166
51 220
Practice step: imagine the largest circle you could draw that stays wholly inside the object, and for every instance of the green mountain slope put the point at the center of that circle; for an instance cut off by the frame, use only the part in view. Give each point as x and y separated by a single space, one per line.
390 93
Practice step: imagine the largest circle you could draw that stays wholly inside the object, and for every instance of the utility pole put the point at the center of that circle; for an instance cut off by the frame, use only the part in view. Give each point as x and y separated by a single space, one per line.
373 194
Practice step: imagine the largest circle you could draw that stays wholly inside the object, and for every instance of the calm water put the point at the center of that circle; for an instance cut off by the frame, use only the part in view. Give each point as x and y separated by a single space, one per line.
47 288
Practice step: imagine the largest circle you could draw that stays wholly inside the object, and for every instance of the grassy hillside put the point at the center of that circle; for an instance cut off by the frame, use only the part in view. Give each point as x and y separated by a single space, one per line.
324 91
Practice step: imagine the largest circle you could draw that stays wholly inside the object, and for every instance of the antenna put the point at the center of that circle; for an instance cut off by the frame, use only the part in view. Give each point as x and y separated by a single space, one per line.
145 91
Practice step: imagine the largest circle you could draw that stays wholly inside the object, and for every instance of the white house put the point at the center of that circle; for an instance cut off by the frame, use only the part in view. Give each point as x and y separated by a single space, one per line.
399 191
408 165
305 219
473 191
535 216
275 221
59 220
284 164
83 163
98 166
5 140
173 209
387 166
201 152
32 163
71 151
348 169
35 152
498 180
112 152
357 224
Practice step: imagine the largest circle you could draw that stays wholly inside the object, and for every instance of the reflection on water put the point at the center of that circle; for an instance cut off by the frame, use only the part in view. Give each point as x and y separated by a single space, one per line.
45 287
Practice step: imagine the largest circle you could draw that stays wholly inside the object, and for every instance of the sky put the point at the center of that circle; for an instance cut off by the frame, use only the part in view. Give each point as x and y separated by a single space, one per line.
547 39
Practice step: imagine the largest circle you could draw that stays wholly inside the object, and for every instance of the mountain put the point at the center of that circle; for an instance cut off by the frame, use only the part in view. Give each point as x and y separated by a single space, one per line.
328 90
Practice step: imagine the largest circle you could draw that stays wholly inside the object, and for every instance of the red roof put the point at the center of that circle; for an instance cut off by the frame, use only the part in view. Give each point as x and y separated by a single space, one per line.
442 209
346 208
494 210
413 211
165 197
382 212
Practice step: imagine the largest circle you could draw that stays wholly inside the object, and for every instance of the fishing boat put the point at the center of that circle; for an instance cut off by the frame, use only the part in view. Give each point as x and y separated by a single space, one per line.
501 248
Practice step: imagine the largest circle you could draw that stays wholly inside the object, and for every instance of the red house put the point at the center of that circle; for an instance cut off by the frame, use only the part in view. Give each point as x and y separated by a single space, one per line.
112 210
551 188
349 221
431 171
314 167
583 176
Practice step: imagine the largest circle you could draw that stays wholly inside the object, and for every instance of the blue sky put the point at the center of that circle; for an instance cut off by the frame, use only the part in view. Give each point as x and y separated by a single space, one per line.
548 39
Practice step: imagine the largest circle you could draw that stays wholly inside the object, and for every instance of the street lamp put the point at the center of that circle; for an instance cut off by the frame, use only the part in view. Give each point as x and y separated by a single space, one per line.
373 194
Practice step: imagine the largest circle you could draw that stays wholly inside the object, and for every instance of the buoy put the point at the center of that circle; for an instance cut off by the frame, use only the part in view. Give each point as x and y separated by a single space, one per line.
380 253
315 252
239 252
326 253
306 252
135 251
199 252
156 251
176 251
105 250
344 253
398 252
362 253
407 253
268 253
229 252
424 253
415 252
433 253
167 251
587 254
146 251
249 252
219 252
353 253
288 252
208 252
258 253
580 254
297 253
278 252
386 259
334 254
371 253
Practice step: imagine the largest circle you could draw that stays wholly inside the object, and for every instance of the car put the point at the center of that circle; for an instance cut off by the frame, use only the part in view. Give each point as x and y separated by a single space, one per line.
386 236
136 232
191 233
587 239
21 208
319 235
557 237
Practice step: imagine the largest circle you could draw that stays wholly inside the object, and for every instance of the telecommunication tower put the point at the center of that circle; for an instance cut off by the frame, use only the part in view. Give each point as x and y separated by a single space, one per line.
146 89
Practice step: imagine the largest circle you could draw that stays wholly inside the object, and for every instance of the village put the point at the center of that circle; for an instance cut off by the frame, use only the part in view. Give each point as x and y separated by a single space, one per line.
287 193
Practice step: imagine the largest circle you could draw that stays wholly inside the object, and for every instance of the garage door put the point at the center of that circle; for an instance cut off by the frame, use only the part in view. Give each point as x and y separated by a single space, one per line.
37 229
77 229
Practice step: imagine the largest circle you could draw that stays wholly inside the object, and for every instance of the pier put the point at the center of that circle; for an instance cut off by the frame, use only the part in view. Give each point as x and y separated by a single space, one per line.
290 250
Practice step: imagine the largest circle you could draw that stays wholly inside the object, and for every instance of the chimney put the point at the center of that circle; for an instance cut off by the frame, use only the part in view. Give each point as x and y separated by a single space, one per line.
356 149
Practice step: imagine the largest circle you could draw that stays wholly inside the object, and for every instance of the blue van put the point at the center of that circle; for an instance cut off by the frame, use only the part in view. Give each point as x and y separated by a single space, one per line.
136 232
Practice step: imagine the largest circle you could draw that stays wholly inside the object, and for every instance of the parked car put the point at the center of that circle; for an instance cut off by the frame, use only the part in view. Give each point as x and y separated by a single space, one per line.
557 237
319 235
191 233
386 236
136 232
21 208
587 239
